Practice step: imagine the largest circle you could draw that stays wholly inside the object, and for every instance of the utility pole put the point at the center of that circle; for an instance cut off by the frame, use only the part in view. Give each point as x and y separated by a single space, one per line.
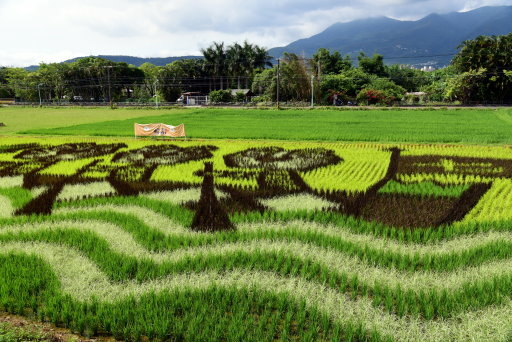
39 91
278 70
312 90
109 86
156 94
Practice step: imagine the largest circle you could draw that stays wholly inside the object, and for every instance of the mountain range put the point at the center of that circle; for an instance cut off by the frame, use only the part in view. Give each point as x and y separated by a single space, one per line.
430 41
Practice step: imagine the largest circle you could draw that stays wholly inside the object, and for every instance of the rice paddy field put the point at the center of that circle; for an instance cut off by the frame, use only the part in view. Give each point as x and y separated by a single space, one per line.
455 125
254 240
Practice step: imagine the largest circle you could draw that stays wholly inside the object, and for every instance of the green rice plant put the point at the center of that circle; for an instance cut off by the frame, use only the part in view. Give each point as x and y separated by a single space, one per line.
67 167
476 151
130 173
321 263
84 190
185 173
495 205
11 182
236 314
448 179
240 179
360 169
295 266
18 196
180 196
297 202
279 179
384 253
327 301
423 189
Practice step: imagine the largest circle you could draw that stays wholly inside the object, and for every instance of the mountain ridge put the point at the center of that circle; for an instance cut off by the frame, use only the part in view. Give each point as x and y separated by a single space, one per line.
436 36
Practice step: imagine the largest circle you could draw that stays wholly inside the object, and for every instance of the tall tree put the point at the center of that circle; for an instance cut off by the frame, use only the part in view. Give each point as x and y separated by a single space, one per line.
408 78
53 77
215 62
5 89
325 63
237 58
372 65
494 54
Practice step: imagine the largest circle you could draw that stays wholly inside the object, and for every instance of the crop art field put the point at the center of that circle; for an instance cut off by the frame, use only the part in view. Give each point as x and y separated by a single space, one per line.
261 241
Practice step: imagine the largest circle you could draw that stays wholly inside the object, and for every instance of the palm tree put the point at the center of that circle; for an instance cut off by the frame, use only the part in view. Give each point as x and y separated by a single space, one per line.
236 57
215 61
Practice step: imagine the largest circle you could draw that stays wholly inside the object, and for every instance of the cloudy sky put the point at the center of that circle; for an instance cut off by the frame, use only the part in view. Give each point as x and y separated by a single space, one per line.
36 31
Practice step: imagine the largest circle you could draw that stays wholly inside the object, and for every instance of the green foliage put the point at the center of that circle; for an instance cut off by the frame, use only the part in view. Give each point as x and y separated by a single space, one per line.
295 80
329 64
435 91
388 87
5 91
380 91
375 97
492 55
423 189
239 61
261 99
220 96
372 65
240 97
410 79
265 83
466 86
358 79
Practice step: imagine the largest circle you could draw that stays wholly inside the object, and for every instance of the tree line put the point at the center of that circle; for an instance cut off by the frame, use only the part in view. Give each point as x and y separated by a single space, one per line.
481 71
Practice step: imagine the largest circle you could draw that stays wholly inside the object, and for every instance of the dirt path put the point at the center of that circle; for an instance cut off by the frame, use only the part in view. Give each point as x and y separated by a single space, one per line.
19 328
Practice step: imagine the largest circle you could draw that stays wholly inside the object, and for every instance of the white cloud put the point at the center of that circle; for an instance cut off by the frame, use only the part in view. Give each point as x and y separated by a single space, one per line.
54 30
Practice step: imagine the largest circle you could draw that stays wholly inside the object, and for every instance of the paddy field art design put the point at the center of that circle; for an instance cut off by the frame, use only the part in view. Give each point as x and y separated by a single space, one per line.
258 241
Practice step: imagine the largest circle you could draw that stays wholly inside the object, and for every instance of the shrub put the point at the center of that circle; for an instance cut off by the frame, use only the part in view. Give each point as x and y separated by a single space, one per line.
240 97
374 96
261 99
220 96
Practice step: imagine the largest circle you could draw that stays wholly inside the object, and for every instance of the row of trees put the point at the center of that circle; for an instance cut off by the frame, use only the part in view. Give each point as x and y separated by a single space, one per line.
331 77
479 72
237 61
98 79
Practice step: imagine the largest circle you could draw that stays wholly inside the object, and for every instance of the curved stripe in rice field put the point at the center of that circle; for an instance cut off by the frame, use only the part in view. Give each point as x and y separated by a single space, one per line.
6 209
447 292
357 226
11 182
83 281
442 256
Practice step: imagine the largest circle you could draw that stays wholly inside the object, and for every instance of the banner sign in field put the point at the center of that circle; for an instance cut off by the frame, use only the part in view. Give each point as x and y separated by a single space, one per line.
159 130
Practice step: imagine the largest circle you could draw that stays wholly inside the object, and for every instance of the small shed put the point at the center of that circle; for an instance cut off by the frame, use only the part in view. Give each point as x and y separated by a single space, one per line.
415 97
